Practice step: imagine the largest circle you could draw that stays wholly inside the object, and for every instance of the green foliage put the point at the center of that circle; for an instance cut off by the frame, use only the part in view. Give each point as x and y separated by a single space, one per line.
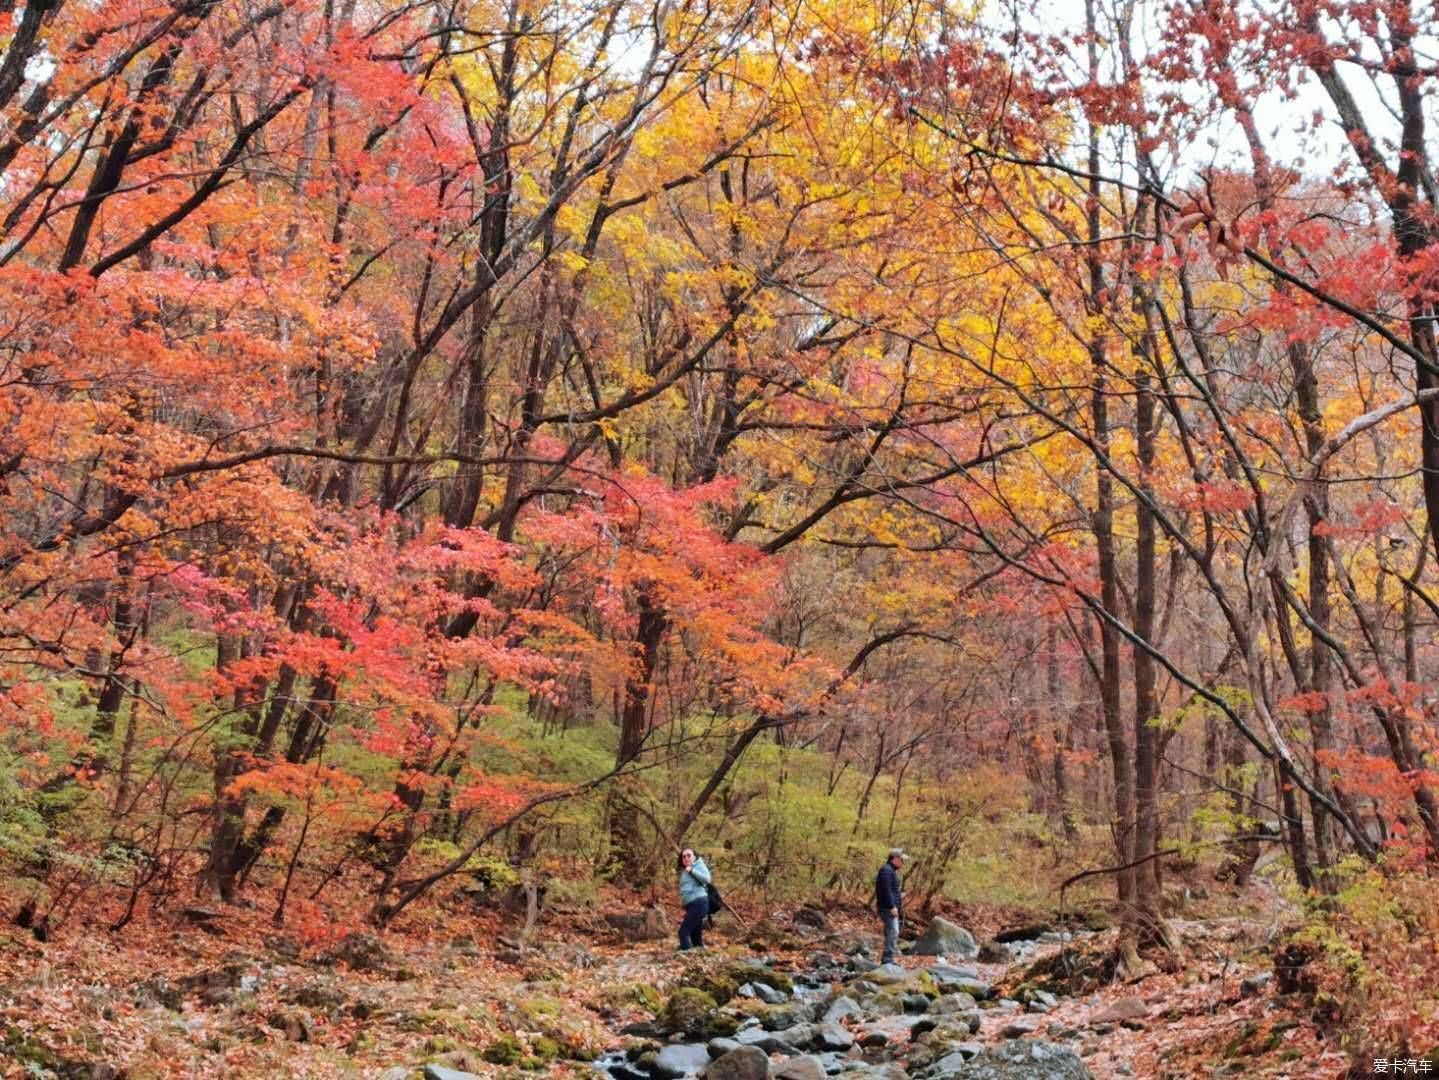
22 827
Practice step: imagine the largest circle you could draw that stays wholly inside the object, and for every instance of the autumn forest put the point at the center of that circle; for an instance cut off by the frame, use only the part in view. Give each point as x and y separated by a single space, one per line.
454 454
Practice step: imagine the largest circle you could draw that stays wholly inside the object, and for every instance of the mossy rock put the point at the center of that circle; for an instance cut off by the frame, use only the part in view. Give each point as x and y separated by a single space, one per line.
779 1017
688 1011
884 1003
638 1048
757 973
536 1010
721 1026
719 985
26 1051
924 984
647 997
506 1050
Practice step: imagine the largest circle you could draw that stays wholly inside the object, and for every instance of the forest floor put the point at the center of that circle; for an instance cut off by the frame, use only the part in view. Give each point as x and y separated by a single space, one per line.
234 996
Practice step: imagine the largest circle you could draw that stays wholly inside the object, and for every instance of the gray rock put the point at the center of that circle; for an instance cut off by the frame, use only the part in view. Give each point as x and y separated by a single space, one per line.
800 1035
745 990
953 1003
396 1072
959 1001
887 974
1034 1005
1016 1029
915 1003
975 988
1026 1059
439 1072
950 976
779 1017
1042 997
811 917
805 1067
956 1059
1255 983
651 924
841 1008
861 944
742 1063
971 1020
682 1059
943 938
862 964
993 952
830 1036
720 1047
767 1041
893 1028
768 994
1008 1005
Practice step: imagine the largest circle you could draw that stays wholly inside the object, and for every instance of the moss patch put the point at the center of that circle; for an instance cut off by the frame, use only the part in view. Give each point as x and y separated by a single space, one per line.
688 1011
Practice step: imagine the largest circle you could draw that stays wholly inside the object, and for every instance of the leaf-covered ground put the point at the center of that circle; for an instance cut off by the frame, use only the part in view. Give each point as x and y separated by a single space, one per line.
236 997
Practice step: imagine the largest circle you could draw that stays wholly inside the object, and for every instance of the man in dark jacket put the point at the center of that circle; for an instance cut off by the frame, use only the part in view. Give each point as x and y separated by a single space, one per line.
889 901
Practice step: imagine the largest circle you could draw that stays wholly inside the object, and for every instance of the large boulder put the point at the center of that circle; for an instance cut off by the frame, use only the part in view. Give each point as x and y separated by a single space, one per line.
1024 1059
943 938
649 924
743 1063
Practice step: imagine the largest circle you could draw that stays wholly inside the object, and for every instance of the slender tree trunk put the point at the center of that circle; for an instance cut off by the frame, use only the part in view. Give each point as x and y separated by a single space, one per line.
1146 707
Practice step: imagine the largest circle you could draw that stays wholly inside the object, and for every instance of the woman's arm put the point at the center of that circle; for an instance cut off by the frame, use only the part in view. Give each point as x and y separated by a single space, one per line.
700 872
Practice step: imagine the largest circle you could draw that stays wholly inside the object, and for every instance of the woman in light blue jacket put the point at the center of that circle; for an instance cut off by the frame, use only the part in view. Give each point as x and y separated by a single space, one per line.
694 877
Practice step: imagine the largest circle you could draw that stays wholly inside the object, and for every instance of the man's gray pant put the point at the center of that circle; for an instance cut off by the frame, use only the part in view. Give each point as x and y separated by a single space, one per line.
891 937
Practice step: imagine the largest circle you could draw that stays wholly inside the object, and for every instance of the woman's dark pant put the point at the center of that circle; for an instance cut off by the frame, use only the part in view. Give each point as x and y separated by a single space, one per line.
692 929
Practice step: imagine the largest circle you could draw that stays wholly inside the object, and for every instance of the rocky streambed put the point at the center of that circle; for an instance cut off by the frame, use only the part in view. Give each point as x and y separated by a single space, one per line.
844 1015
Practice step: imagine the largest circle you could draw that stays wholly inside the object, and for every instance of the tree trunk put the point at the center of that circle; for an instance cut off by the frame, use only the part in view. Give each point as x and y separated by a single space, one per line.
626 846
1146 707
